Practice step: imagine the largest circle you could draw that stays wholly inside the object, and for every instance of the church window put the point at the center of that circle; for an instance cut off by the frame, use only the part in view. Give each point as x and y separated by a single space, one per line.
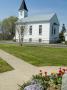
30 39
22 30
53 30
40 40
40 29
30 30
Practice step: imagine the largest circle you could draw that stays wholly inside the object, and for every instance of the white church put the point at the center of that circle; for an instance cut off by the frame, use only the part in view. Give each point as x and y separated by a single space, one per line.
36 29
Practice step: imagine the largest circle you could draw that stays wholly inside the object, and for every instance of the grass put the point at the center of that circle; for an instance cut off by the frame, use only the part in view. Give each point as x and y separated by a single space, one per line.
4 67
38 55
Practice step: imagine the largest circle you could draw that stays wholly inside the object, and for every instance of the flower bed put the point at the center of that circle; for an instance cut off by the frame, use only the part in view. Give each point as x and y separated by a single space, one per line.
43 81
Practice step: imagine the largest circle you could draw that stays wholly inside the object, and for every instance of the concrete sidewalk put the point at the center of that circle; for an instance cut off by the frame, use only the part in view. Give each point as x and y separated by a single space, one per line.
22 72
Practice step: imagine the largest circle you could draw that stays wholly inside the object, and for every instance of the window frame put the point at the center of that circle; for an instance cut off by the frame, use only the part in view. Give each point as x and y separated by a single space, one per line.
30 30
53 32
40 40
30 39
40 29
22 30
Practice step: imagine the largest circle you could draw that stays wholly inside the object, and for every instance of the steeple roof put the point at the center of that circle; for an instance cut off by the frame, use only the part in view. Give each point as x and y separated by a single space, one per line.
23 6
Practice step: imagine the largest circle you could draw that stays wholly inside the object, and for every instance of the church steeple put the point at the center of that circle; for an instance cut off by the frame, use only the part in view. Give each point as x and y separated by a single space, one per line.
23 11
23 6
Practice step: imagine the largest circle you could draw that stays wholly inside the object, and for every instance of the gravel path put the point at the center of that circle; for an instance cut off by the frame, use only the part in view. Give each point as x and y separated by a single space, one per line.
22 72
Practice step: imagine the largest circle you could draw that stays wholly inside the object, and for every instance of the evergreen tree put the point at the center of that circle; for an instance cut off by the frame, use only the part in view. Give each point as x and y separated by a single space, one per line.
63 28
61 35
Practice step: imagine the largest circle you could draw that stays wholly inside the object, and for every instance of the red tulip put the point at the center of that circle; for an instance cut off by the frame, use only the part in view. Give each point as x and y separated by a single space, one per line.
45 73
60 71
64 70
40 70
59 74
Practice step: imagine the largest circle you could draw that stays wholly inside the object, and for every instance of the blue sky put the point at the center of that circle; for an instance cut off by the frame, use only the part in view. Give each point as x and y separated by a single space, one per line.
10 8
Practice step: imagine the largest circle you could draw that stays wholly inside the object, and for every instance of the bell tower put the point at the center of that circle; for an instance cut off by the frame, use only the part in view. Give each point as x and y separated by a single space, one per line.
23 11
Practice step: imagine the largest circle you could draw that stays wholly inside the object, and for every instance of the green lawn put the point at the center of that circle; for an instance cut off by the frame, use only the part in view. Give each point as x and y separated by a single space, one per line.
4 66
38 55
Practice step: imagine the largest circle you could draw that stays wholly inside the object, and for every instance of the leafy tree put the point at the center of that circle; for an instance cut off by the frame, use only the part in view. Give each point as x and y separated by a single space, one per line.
1 35
61 35
8 27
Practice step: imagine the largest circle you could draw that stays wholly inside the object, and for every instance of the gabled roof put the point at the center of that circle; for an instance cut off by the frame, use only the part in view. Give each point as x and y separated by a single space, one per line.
23 6
37 18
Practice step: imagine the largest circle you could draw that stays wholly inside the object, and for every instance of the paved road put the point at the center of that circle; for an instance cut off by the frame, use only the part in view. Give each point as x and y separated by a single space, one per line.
36 44
22 72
